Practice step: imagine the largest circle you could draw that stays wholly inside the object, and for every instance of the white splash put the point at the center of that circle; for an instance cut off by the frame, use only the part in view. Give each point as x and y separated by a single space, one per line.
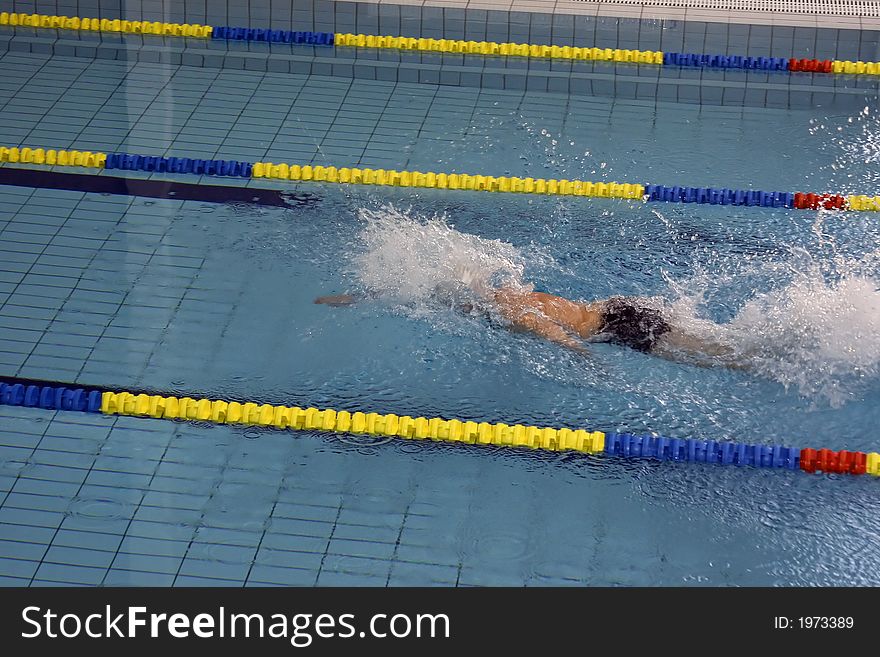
408 258
817 327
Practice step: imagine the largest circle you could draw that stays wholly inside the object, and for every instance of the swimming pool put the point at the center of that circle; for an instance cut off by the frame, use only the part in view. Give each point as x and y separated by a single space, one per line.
215 299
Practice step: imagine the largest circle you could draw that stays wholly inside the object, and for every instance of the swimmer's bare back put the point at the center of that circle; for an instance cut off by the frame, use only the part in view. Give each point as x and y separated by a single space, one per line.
549 316
583 319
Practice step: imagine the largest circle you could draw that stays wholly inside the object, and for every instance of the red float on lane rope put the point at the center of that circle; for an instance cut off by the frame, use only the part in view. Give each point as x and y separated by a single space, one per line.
825 460
810 65
804 201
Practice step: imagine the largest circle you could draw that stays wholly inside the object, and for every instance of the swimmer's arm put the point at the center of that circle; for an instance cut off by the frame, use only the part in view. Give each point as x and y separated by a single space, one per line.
679 346
549 330
337 300
347 299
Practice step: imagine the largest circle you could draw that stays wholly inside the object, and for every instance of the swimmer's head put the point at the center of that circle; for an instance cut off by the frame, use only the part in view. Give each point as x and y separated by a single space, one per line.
454 295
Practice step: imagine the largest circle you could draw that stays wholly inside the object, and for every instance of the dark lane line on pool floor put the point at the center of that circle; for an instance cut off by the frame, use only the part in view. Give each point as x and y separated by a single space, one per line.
163 189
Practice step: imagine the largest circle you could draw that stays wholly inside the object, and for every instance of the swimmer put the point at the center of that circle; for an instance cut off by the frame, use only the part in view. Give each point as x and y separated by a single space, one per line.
633 322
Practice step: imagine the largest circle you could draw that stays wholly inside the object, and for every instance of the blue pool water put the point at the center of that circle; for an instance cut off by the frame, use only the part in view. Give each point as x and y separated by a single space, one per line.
216 299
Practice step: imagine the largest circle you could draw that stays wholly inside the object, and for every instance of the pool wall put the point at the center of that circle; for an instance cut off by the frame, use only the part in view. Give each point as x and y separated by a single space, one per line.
572 24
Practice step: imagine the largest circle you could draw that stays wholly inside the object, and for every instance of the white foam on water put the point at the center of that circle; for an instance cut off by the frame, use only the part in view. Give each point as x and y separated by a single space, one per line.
816 328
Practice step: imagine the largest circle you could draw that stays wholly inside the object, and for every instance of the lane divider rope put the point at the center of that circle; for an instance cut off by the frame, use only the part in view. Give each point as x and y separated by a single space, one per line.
432 180
59 396
452 46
